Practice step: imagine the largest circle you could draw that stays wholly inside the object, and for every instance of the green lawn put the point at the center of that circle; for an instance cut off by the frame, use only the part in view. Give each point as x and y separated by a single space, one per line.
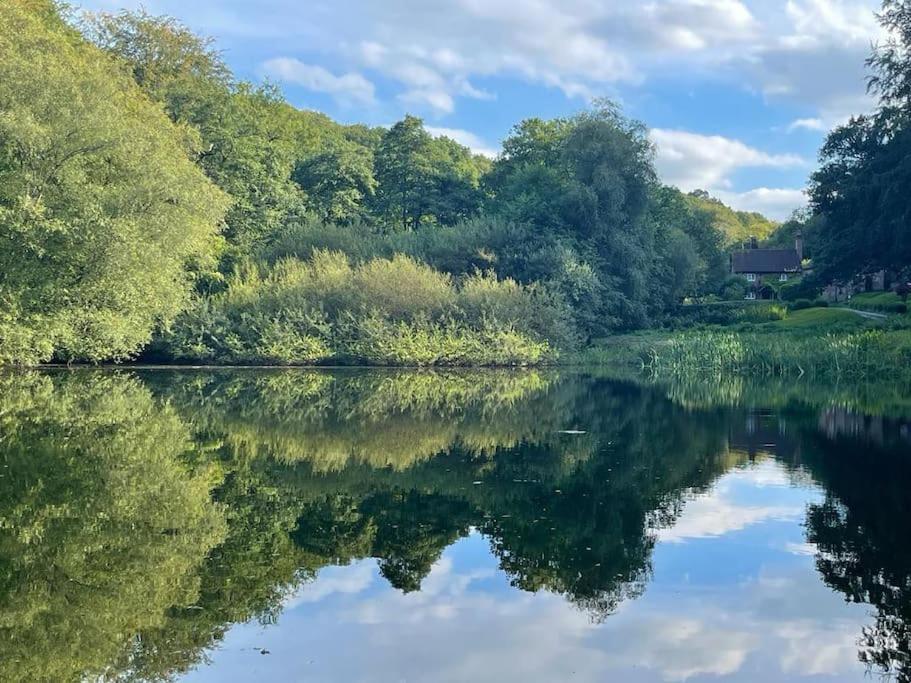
876 298
821 318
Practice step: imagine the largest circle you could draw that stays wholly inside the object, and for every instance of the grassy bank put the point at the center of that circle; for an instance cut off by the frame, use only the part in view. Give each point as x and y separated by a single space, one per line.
823 343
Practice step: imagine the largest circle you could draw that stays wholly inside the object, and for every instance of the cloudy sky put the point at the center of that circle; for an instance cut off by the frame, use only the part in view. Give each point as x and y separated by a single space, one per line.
738 93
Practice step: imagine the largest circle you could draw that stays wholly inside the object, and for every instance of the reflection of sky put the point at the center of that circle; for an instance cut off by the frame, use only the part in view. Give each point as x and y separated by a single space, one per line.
734 595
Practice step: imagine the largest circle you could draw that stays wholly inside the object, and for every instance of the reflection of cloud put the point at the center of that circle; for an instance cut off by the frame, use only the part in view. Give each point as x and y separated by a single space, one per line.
831 654
467 624
333 580
719 512
682 647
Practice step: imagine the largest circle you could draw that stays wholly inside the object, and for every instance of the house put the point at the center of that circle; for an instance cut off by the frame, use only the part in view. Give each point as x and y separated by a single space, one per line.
758 266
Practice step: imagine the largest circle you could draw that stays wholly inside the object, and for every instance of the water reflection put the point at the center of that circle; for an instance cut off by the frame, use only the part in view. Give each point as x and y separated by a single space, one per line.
143 515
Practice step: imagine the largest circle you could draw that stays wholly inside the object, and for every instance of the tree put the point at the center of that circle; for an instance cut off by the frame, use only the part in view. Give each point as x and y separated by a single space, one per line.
861 186
586 183
404 173
100 207
249 134
339 182
690 245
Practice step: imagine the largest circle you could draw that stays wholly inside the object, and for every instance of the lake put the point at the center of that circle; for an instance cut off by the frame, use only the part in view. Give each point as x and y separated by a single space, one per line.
374 525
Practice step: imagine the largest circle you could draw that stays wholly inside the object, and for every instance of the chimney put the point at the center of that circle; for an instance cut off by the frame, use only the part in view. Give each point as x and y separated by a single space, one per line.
798 245
754 243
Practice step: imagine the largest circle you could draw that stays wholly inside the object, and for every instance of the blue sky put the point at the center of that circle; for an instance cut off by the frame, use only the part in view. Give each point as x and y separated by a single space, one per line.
738 93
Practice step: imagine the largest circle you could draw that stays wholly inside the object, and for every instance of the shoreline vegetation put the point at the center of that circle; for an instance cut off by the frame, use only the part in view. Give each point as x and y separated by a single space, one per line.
173 214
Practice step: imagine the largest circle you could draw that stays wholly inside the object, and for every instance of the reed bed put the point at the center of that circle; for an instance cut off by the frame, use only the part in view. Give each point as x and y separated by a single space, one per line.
867 353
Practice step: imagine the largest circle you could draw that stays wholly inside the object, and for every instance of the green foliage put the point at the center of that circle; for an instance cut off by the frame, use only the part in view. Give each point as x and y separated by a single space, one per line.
883 302
726 313
100 208
736 226
866 353
248 133
587 181
105 519
339 182
394 311
860 188
821 319
802 288
422 179
107 219
695 262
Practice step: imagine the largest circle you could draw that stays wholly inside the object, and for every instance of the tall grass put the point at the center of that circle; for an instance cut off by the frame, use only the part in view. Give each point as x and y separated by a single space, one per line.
867 353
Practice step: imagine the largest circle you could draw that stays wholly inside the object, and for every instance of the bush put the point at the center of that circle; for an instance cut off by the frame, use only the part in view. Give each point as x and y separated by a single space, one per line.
402 288
395 311
734 288
727 313
804 288
800 304
381 341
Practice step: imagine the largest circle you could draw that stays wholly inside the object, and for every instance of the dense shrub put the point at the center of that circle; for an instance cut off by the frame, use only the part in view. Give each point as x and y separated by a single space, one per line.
804 288
726 313
395 311
800 304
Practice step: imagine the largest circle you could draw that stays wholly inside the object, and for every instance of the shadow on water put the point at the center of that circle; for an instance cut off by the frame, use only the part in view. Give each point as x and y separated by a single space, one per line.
142 514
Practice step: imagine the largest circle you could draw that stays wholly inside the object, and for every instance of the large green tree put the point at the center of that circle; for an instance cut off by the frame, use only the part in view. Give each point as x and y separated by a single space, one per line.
585 185
101 209
339 182
249 134
861 186
424 180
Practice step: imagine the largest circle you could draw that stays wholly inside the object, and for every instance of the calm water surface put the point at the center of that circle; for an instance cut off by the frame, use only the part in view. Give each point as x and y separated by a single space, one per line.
450 526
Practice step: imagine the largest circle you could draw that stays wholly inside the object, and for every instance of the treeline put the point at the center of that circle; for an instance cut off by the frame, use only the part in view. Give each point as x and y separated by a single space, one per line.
151 203
858 222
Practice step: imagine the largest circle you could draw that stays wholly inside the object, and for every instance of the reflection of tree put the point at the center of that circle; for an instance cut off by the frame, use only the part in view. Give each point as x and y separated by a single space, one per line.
103 522
143 518
861 531
579 526
383 419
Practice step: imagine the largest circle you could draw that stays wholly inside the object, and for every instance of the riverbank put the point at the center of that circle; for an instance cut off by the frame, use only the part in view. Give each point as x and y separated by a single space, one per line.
825 343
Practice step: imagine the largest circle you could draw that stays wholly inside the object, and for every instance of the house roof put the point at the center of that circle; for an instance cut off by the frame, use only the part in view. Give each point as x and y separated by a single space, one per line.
765 261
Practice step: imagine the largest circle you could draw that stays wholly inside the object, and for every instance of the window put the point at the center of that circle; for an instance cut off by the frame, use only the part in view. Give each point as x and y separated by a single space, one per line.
751 296
751 277
783 277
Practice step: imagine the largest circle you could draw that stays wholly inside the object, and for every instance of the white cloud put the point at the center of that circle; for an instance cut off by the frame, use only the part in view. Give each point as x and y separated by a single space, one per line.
814 55
810 51
349 87
438 100
816 124
692 161
464 137
691 25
